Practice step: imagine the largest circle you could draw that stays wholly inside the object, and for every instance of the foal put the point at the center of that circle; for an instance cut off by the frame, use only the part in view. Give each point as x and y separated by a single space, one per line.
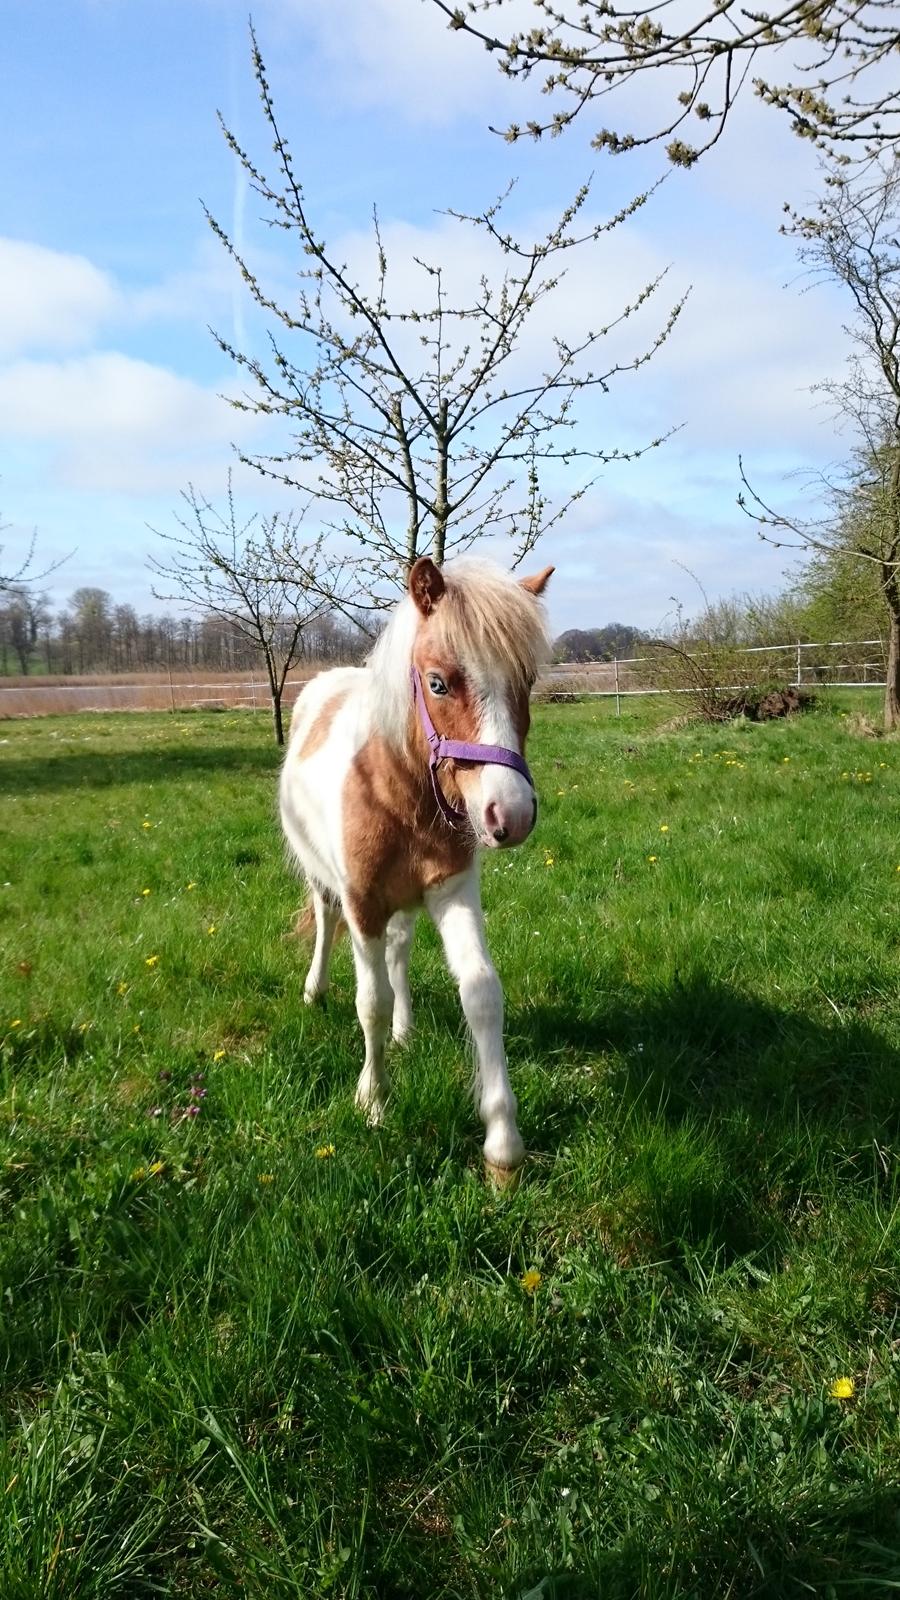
395 775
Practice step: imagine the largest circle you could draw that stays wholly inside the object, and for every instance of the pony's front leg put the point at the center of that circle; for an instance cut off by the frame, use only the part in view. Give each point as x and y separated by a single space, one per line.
374 1005
399 943
456 910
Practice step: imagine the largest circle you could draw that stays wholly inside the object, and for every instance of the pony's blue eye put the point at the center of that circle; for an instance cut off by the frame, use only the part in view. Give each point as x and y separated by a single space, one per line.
436 684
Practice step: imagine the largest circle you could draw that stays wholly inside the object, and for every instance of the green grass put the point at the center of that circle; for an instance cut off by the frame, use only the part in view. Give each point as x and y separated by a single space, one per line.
259 1371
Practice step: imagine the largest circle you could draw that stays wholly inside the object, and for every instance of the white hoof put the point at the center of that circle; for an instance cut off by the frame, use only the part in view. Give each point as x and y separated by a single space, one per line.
370 1100
503 1147
313 997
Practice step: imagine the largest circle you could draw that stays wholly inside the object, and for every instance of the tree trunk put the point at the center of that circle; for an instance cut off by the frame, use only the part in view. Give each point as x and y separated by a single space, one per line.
441 507
277 722
892 675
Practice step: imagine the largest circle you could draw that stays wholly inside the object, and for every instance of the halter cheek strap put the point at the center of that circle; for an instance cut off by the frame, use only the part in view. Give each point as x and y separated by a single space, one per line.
441 749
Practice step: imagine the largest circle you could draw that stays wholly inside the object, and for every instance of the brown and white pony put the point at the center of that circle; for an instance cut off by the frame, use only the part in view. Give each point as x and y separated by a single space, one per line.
364 818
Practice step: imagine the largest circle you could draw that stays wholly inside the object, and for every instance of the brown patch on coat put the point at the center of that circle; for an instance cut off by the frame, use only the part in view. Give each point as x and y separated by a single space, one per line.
396 843
319 729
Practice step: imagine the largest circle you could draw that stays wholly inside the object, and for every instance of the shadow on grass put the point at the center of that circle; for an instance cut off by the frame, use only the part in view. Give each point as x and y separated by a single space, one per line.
64 769
706 1048
724 1113
836 1548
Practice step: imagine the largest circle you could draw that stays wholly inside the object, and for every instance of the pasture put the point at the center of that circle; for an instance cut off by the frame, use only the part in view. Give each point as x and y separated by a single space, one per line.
252 1347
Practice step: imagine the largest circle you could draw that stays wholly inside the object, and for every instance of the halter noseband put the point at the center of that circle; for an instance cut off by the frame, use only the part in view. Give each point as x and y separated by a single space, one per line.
441 749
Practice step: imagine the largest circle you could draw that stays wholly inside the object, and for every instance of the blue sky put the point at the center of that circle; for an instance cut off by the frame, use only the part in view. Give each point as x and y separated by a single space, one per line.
110 383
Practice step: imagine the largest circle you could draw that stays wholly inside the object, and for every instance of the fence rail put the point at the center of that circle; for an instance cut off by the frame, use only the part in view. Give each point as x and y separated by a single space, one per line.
618 679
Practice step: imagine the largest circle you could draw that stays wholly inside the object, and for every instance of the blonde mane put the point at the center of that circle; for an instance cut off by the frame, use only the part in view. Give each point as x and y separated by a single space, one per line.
483 617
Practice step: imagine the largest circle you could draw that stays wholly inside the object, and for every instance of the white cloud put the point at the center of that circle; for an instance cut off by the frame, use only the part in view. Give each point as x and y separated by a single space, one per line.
397 53
112 422
51 300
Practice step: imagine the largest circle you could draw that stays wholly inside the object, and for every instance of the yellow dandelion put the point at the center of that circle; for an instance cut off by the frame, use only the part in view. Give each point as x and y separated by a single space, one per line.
324 1152
664 827
146 824
145 891
192 886
83 1027
530 1280
653 858
784 759
150 961
842 1389
266 1177
138 1174
211 928
155 1168
121 988
560 791
17 1021
218 1054
136 1028
549 861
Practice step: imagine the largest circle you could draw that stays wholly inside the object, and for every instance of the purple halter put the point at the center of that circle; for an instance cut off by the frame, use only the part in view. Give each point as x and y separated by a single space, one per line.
494 755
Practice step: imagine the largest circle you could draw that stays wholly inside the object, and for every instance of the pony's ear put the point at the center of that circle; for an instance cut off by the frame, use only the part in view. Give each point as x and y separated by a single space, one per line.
538 583
426 584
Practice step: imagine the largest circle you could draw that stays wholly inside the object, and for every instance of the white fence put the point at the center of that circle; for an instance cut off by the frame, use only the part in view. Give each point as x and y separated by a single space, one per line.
840 663
814 664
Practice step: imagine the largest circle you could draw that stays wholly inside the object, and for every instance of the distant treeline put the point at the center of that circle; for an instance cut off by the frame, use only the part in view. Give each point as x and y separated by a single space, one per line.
616 641
95 634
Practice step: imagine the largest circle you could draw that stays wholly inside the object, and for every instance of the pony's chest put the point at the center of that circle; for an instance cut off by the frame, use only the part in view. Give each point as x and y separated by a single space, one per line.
395 845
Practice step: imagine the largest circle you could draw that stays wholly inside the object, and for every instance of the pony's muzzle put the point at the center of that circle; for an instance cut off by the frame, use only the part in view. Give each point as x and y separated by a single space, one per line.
509 821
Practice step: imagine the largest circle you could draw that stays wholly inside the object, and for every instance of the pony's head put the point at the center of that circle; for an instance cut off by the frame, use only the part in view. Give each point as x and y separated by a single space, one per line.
480 638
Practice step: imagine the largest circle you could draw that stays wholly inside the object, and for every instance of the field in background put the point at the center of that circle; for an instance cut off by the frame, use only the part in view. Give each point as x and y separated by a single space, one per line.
182 690
815 666
262 1350
189 690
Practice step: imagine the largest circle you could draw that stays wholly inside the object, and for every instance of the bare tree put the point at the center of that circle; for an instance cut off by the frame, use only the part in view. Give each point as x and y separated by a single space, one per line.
22 573
422 422
22 616
842 92
255 575
852 239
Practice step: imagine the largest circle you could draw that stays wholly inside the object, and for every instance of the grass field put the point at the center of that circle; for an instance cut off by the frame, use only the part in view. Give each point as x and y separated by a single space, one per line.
251 1347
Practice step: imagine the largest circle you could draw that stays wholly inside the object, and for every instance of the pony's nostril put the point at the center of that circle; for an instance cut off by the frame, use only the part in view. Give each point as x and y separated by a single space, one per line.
495 824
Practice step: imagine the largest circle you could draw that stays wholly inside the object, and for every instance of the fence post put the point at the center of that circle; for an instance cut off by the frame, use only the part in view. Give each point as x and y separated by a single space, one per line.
171 688
616 670
799 667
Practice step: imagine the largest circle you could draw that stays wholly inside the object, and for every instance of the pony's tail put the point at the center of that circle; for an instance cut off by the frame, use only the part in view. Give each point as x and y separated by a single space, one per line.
304 927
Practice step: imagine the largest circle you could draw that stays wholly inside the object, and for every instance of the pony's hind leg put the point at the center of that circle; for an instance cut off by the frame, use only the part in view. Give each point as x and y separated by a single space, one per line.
374 1004
327 918
399 943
